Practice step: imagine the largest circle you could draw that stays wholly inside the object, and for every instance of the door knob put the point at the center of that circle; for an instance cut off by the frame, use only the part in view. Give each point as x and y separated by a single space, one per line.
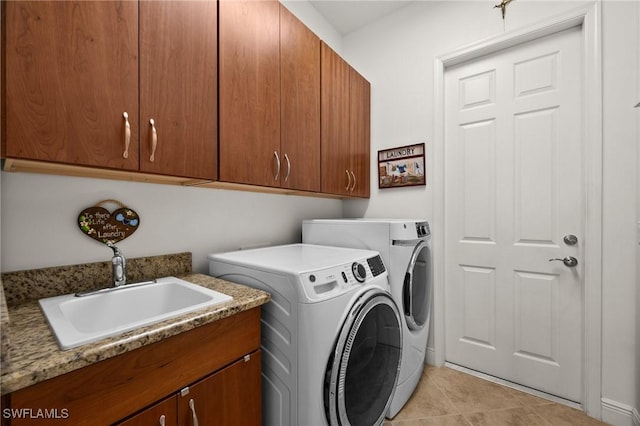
569 261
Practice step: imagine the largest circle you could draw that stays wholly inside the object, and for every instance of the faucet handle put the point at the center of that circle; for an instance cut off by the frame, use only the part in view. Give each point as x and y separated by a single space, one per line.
118 265
116 250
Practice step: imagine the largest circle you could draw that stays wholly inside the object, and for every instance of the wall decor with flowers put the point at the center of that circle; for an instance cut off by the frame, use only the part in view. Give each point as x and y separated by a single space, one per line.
108 227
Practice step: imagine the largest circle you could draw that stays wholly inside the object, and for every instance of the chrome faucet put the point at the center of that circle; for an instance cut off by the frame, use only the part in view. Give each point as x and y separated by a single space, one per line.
118 266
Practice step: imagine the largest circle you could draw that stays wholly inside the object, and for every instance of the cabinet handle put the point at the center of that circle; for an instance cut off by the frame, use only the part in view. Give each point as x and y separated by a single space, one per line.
127 135
286 157
354 181
192 406
162 420
154 140
348 183
278 164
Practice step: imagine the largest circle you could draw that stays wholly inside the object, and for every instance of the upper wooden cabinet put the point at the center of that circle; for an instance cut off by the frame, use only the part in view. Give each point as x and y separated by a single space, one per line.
360 134
300 104
249 91
178 88
71 73
191 92
269 97
345 127
74 71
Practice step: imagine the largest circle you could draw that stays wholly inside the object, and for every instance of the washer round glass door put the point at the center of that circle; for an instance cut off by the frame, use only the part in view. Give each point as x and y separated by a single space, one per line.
363 370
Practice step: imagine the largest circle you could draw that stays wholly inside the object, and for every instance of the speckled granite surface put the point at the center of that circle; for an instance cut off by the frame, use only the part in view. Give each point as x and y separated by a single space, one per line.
34 284
34 356
4 322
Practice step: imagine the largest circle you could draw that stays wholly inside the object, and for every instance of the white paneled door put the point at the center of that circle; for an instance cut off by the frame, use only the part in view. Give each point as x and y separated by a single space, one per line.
514 198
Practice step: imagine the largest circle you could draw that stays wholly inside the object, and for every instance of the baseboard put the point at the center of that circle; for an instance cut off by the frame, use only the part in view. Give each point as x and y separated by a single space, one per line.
617 414
430 357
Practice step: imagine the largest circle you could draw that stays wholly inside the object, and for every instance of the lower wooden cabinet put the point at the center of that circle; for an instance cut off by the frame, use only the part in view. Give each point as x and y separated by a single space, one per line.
164 413
230 396
217 365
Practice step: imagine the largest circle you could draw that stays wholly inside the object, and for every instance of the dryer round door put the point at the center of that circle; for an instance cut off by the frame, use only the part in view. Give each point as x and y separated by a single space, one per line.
417 288
363 370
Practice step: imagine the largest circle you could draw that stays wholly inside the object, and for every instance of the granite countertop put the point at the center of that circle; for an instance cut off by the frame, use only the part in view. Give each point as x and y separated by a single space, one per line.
33 355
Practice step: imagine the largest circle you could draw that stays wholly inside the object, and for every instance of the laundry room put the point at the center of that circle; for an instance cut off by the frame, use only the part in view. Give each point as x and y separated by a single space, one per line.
563 219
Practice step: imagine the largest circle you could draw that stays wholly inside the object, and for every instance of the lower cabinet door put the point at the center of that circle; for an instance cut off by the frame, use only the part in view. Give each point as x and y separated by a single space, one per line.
232 396
164 413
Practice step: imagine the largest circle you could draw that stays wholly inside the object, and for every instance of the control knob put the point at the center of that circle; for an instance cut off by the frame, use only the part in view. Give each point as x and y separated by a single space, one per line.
359 272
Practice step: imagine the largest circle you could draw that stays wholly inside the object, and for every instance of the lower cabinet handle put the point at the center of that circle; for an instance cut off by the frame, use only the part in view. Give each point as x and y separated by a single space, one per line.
286 157
127 135
163 421
154 140
278 164
348 183
192 406
354 181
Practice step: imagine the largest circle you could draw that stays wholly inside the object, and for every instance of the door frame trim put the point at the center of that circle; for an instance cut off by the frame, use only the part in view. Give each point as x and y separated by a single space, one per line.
589 18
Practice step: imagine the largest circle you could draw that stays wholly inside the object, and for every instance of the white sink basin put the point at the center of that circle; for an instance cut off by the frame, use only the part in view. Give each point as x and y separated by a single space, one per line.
76 321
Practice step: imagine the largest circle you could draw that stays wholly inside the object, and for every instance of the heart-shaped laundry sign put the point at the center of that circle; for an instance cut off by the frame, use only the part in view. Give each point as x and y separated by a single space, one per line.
105 226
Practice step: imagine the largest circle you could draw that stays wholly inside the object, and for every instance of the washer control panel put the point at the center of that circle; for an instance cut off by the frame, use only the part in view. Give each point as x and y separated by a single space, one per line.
326 283
376 265
422 228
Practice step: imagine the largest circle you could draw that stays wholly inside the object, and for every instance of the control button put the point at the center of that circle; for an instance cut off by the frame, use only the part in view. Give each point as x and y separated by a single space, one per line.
344 278
359 272
312 278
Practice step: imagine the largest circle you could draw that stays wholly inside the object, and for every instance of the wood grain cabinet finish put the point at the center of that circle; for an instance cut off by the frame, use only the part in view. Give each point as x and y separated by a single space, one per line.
227 397
289 112
120 388
345 127
74 68
71 73
269 97
249 98
164 413
300 104
230 397
178 88
360 134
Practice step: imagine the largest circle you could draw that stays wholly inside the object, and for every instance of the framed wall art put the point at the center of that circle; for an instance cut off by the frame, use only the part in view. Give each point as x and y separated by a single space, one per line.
402 166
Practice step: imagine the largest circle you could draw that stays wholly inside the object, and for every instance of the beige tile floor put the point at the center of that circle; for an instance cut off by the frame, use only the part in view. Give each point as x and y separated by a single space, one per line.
446 397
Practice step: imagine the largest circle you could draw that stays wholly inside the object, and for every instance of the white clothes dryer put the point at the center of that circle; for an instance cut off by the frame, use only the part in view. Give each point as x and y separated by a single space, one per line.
331 334
405 247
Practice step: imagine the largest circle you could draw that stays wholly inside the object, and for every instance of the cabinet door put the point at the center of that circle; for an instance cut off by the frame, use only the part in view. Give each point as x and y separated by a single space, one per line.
360 133
71 73
178 88
334 118
164 413
232 396
249 70
300 109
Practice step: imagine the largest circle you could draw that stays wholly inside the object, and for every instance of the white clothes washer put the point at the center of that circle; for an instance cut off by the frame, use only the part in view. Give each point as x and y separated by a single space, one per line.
405 247
331 334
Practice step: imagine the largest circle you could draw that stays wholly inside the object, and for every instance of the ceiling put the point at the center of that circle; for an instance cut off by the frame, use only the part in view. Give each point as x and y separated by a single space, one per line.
350 15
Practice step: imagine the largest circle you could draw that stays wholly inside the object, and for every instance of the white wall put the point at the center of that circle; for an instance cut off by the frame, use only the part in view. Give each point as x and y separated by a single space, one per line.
304 11
39 219
397 55
637 114
620 49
